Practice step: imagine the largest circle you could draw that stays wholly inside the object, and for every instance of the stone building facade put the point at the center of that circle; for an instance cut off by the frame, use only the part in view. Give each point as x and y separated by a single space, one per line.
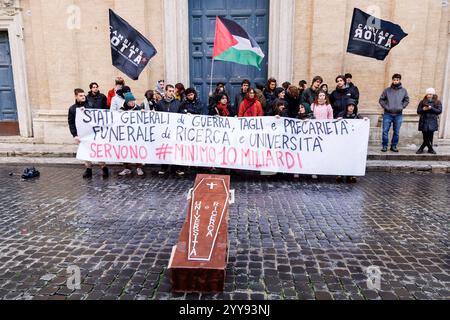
58 45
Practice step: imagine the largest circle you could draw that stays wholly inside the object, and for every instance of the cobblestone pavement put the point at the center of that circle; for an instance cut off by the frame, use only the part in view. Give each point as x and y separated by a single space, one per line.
289 239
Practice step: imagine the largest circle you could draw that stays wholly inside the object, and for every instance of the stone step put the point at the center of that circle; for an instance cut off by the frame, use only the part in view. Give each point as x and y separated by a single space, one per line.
393 166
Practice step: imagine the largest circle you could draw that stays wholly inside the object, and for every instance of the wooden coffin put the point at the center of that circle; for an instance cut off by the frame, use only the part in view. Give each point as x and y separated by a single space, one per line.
199 260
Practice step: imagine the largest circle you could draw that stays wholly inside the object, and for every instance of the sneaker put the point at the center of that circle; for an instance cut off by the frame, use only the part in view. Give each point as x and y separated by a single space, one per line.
431 151
140 172
384 149
125 172
161 172
87 174
315 177
394 149
105 172
296 176
180 173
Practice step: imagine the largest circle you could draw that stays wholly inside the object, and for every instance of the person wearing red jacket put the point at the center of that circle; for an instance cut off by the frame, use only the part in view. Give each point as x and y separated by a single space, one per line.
250 107
120 82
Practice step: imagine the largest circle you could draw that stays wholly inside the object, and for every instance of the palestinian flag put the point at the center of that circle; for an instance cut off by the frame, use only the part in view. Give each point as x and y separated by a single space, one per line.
234 44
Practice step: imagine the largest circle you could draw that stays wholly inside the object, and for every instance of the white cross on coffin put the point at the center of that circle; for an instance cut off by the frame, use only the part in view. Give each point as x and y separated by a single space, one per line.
211 185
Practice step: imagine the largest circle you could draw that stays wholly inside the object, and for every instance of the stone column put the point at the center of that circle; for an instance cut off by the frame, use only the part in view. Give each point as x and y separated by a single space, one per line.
444 131
176 41
281 39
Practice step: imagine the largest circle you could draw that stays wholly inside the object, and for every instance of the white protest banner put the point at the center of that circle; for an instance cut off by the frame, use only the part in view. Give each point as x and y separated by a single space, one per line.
260 144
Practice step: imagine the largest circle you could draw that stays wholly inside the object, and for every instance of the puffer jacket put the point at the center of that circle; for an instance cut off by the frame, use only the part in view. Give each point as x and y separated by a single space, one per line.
429 120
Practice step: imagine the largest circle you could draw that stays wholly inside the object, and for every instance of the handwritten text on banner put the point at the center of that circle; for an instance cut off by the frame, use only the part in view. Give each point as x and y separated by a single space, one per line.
260 144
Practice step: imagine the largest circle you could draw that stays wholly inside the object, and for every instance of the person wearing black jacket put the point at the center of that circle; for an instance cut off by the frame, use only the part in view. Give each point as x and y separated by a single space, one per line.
293 99
340 97
191 104
80 103
269 94
245 85
351 113
169 104
222 106
95 99
429 110
220 89
353 89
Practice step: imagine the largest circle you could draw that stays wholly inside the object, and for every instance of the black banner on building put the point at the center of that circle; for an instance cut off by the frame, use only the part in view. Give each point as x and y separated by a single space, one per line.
130 50
373 37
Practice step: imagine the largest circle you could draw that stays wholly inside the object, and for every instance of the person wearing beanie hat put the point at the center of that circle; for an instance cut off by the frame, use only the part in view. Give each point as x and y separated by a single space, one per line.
131 105
129 97
431 91
351 111
429 110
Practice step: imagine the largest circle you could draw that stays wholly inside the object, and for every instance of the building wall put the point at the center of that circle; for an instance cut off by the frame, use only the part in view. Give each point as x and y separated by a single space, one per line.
67 47
60 55
321 43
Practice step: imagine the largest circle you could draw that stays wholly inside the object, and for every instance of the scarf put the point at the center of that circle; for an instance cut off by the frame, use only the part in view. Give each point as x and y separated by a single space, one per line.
223 109
169 100
248 107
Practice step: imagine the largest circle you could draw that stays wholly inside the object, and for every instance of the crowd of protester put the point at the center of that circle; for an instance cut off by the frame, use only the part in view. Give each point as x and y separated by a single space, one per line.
302 102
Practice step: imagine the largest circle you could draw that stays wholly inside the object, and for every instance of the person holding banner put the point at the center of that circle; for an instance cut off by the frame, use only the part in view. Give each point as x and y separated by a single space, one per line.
321 107
393 100
130 105
429 110
169 104
280 110
191 104
80 103
304 114
222 108
280 95
250 107
350 113
322 110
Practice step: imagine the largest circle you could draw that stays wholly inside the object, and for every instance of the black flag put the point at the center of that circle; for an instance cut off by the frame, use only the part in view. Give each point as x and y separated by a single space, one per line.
130 50
373 37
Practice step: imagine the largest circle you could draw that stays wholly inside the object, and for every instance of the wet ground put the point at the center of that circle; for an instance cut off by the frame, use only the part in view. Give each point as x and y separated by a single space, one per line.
289 239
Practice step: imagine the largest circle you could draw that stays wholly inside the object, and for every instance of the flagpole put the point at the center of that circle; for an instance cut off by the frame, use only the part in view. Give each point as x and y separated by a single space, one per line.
212 72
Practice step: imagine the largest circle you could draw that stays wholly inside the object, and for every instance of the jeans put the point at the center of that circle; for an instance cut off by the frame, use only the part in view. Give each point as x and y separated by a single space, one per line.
396 121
